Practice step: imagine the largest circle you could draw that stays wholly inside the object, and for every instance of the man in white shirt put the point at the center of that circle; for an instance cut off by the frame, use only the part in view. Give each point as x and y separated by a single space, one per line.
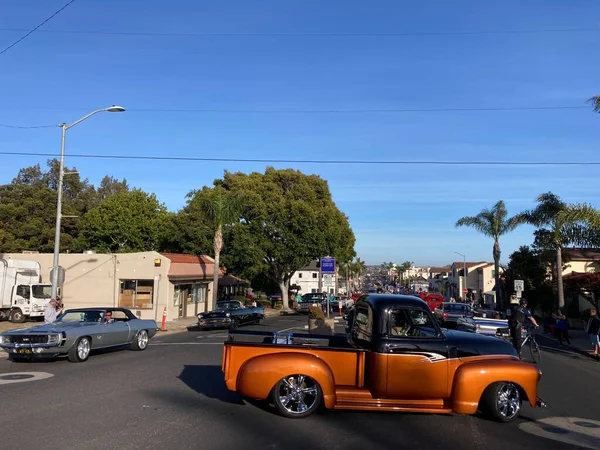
51 312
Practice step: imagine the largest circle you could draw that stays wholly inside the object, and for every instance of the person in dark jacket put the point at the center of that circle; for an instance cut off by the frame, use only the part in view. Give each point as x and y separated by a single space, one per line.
519 317
593 328
562 327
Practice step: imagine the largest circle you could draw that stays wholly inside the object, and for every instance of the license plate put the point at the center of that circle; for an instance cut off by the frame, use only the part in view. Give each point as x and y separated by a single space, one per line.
25 351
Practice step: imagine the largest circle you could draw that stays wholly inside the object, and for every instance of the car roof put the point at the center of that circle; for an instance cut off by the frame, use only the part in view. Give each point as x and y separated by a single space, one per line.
378 301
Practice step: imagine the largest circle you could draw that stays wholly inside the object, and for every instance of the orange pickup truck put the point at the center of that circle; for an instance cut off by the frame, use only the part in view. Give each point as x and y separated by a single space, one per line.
395 357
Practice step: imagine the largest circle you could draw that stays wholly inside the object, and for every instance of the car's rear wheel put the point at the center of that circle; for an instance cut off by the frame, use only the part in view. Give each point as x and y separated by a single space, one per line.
80 352
140 341
502 401
297 396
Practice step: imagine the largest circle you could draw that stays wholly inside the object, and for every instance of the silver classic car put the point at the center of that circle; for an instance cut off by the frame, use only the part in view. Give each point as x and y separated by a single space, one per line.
77 332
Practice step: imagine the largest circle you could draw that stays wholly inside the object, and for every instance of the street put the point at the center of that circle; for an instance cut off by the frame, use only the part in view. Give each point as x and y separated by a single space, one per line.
172 396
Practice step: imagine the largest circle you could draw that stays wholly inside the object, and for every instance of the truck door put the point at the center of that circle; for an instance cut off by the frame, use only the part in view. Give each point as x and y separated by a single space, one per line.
22 298
417 356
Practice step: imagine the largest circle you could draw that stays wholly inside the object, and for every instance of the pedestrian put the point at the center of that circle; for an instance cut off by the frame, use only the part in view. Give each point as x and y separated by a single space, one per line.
562 327
52 311
593 328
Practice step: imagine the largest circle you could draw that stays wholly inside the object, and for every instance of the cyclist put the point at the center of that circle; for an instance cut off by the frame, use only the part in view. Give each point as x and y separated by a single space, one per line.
520 316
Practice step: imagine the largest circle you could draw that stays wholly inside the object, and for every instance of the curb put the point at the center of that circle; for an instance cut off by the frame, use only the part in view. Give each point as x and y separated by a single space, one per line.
571 349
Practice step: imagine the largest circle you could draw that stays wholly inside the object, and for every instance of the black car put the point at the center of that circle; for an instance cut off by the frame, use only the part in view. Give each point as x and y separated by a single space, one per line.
230 314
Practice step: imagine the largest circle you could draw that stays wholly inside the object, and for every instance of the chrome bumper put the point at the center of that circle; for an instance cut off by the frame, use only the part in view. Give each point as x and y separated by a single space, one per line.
215 323
14 345
540 403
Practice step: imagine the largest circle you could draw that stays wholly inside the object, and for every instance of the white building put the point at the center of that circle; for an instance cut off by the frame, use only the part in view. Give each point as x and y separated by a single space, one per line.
307 278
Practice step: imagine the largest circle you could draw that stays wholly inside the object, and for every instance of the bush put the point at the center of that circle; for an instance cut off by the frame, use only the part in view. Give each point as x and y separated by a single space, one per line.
239 298
316 312
264 303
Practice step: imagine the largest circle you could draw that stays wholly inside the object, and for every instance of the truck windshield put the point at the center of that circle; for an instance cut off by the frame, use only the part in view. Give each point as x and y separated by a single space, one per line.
41 291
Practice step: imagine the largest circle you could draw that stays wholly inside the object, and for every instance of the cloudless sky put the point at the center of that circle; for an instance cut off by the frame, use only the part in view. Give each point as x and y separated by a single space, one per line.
398 212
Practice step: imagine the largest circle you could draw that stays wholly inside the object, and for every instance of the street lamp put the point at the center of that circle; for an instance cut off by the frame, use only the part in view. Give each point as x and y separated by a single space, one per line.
464 268
61 174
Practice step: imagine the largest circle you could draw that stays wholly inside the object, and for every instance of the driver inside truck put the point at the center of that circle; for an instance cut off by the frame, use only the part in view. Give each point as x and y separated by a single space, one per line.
400 324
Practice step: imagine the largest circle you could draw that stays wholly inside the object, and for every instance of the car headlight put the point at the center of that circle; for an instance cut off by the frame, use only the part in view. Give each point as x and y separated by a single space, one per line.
200 316
227 315
35 306
3 339
54 338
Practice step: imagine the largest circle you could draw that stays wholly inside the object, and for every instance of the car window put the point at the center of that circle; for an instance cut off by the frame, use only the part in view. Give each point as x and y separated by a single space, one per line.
412 323
119 316
362 324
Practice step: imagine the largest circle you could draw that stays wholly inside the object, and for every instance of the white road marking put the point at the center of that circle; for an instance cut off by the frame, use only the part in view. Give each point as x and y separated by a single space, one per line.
569 430
23 377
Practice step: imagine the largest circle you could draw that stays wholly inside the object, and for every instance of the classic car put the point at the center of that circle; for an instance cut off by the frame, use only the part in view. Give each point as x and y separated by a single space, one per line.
307 300
77 332
230 314
395 357
448 313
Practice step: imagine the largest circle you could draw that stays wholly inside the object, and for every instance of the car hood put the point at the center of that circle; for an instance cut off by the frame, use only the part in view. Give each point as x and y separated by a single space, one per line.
56 327
472 344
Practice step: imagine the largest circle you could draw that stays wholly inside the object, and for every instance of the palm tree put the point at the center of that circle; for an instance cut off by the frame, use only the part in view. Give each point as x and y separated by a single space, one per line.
402 268
493 223
221 208
566 226
595 103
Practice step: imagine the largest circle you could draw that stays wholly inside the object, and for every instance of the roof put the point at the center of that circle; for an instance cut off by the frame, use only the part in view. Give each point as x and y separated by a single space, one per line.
583 254
313 266
440 269
385 300
182 258
460 264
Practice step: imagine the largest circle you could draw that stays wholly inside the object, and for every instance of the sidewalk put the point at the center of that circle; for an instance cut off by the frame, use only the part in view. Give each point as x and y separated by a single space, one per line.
580 342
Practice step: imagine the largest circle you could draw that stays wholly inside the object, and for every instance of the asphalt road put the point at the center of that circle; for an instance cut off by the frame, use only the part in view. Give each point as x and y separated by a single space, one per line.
172 396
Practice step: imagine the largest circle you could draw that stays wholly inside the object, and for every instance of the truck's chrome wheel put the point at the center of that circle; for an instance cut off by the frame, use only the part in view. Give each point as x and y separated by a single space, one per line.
297 395
142 339
509 400
83 349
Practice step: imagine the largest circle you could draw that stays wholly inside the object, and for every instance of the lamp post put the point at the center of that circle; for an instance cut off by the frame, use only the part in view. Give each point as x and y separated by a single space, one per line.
61 174
464 268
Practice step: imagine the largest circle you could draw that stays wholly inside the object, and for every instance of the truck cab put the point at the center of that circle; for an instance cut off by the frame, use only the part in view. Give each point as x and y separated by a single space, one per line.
22 295
395 357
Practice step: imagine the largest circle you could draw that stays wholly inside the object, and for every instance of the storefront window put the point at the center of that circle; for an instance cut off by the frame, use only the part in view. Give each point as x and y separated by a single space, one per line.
136 294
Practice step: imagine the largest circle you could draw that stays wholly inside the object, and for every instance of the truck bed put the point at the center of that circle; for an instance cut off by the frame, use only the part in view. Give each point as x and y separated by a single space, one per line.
346 362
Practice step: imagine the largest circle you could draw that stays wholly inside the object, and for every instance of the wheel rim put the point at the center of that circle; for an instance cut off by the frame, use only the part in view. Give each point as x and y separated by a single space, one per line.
142 339
83 348
509 400
298 394
17 316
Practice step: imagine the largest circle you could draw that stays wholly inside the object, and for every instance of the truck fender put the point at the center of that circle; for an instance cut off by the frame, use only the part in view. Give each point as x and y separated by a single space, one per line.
472 378
258 375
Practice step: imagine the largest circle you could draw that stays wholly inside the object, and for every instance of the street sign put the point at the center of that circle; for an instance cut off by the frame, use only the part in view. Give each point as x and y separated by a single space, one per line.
328 265
518 294
61 275
465 291
328 280
519 285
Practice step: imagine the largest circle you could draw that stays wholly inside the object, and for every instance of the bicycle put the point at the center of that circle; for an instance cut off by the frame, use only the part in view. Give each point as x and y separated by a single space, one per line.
534 347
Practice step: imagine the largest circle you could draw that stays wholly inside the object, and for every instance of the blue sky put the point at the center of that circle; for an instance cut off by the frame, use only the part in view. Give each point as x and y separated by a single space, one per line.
397 212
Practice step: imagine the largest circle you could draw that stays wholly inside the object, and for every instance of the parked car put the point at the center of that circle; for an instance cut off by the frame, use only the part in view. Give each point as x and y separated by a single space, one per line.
307 300
77 332
482 321
230 314
448 313
395 357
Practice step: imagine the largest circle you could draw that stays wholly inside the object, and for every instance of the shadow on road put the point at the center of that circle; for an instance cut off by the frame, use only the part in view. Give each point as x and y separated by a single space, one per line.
208 381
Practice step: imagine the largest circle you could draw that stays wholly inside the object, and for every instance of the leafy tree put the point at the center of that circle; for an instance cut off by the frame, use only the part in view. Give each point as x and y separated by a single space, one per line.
402 268
110 186
220 208
527 265
587 285
128 221
595 103
493 223
289 219
558 230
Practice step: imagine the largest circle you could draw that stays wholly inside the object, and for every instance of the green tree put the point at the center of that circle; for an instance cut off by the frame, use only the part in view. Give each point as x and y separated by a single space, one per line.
527 264
109 186
402 268
128 221
289 219
220 208
560 226
493 223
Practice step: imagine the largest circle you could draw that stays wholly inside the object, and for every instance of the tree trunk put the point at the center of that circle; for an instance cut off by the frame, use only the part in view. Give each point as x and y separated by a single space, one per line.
217 246
497 254
285 289
559 277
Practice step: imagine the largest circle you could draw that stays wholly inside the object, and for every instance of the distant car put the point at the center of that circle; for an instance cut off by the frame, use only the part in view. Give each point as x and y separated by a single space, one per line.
307 300
448 313
77 332
230 314
481 321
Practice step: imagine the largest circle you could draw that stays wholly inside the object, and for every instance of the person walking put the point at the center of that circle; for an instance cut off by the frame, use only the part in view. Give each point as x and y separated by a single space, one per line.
593 328
52 311
562 327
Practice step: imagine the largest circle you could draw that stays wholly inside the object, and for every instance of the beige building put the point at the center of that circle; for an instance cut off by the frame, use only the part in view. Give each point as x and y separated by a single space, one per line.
577 261
144 282
480 280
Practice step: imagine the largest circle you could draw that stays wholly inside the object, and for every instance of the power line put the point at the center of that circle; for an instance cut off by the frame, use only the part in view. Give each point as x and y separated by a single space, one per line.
316 34
324 111
3 125
313 161
35 29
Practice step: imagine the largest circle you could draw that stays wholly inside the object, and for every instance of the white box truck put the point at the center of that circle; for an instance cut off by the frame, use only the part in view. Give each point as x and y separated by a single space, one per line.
22 295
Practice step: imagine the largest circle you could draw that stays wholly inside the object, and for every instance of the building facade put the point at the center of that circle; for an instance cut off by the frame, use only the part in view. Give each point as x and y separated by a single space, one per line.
307 279
144 282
